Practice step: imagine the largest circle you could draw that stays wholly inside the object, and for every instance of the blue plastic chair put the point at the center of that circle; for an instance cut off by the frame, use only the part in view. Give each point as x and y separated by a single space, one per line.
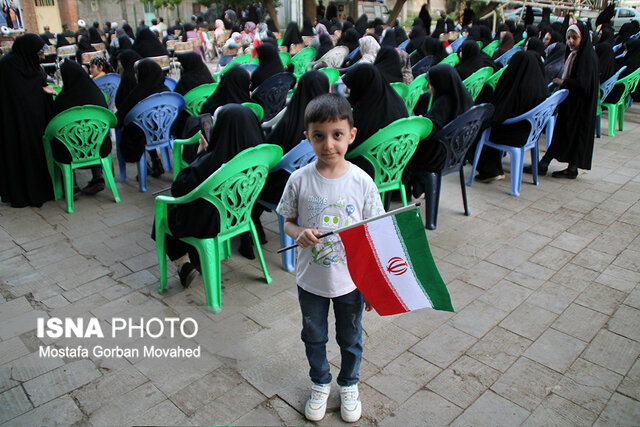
605 90
352 54
505 57
538 118
249 67
299 156
616 47
456 138
403 45
109 85
170 83
272 94
154 115
422 66
457 42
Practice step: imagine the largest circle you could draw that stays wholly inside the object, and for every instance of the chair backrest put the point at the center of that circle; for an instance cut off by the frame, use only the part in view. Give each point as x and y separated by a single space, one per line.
401 89
299 156
98 46
390 149
88 56
452 59
457 42
154 115
422 66
630 82
197 96
234 188
505 57
607 86
179 47
301 60
475 81
170 83
458 135
539 116
335 57
491 47
285 57
249 67
256 108
109 85
520 43
241 59
403 45
353 53
332 74
82 130
65 51
163 61
415 90
272 93
492 81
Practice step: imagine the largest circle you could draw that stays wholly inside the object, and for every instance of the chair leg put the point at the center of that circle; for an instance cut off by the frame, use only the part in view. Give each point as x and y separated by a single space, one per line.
463 188
165 152
56 180
516 171
548 135
613 117
122 165
534 164
288 257
598 125
403 195
476 157
432 181
161 250
256 244
107 171
621 109
142 173
67 176
209 253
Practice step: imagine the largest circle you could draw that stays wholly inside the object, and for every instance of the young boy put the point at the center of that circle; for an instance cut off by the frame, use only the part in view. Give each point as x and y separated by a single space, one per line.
325 195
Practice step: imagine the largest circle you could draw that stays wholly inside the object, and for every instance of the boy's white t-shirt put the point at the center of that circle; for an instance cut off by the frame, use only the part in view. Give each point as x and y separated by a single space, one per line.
328 204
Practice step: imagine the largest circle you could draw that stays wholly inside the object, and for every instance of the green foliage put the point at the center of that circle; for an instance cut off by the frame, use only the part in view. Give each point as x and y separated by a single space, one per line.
157 4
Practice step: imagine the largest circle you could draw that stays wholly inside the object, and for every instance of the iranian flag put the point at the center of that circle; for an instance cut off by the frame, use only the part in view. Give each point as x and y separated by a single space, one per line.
391 264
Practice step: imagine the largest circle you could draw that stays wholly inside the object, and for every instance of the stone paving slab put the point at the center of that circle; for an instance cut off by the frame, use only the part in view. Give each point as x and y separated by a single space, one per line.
546 289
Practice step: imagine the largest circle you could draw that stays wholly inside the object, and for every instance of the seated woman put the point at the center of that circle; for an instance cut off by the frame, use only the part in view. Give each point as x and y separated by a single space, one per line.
236 129
388 63
521 87
369 48
270 64
631 60
375 105
450 99
324 46
291 36
472 59
149 80
506 44
148 45
84 45
287 134
430 47
78 89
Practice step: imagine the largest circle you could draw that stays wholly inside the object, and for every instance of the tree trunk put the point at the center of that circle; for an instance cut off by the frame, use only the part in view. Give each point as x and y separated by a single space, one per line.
309 9
272 12
123 10
396 11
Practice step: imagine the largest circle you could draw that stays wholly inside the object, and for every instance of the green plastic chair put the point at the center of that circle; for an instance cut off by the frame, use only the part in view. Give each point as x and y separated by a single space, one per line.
520 43
254 60
178 144
491 47
285 57
82 130
301 60
480 44
452 59
256 108
233 190
390 149
197 96
332 74
401 89
239 60
616 110
495 77
415 90
475 81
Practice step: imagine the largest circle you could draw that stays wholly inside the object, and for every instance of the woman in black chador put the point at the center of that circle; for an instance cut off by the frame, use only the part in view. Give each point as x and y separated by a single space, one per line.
270 64
148 45
521 87
233 89
26 103
236 129
574 133
472 59
388 63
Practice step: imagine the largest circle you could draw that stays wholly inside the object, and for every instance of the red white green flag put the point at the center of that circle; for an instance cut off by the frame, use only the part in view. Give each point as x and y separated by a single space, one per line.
391 264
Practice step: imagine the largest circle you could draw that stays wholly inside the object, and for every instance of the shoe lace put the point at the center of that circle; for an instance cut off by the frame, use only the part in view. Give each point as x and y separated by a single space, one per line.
349 394
318 395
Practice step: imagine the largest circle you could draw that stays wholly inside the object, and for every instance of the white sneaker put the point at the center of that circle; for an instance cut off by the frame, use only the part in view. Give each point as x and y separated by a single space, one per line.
316 406
350 406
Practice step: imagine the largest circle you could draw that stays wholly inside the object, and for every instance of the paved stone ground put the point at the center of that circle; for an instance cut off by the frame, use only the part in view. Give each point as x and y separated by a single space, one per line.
546 329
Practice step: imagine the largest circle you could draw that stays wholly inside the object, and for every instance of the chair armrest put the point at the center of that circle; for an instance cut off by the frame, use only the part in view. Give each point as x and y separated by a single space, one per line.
178 163
275 120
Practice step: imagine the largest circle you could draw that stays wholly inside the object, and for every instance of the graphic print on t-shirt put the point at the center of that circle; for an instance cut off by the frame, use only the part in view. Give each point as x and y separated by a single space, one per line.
328 218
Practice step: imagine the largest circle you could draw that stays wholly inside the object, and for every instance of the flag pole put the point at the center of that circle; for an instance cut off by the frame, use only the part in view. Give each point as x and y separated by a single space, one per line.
339 230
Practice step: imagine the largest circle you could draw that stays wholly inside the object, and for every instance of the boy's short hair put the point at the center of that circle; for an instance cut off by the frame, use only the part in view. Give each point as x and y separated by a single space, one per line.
329 107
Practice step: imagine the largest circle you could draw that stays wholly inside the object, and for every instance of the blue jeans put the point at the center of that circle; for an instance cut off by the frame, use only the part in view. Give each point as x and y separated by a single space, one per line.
348 312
